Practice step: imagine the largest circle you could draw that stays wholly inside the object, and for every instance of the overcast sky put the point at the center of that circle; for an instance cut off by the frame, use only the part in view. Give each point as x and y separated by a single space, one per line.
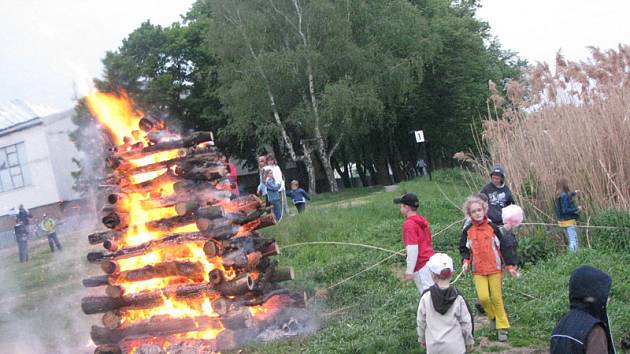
45 46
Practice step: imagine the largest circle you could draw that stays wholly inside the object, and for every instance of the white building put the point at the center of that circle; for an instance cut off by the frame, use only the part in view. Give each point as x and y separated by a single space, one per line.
35 160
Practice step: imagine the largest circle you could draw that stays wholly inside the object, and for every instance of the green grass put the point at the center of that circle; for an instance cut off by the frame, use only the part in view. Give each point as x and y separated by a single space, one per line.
40 304
379 315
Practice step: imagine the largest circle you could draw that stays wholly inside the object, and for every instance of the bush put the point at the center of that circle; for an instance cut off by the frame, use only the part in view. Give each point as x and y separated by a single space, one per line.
534 248
612 239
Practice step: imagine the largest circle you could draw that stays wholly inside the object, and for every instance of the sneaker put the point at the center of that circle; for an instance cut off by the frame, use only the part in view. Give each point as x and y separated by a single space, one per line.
502 335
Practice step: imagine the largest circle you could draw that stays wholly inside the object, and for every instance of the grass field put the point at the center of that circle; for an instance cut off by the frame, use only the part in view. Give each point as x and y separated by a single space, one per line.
373 312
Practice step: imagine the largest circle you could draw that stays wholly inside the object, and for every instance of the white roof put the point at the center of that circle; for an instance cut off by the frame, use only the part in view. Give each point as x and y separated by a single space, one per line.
18 111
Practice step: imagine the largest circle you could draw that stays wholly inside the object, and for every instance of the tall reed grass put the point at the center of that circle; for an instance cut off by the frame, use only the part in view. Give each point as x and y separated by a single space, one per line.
574 122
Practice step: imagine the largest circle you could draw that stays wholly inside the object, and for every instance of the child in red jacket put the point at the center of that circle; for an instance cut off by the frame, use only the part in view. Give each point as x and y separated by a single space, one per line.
417 241
483 251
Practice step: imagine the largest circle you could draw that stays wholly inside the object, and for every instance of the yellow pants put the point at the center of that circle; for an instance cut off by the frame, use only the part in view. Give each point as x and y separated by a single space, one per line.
491 298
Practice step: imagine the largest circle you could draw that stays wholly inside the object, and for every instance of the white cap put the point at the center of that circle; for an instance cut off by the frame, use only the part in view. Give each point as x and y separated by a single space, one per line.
440 264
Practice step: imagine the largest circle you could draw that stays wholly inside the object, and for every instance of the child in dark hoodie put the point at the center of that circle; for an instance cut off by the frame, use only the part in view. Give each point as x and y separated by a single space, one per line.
585 328
445 323
498 193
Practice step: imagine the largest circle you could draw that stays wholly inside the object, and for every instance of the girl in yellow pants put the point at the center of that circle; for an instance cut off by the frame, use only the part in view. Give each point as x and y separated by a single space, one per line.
491 297
482 250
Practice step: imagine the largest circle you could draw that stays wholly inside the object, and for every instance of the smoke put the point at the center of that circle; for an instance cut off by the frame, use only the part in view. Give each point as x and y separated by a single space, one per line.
40 308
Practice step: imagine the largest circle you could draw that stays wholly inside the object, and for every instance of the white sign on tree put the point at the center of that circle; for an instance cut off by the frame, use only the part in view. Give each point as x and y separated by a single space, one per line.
419 136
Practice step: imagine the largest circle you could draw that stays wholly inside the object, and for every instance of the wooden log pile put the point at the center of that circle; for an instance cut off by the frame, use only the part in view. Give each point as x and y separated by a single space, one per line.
218 266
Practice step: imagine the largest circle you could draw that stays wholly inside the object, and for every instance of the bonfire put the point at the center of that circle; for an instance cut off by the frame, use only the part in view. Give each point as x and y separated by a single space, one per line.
185 270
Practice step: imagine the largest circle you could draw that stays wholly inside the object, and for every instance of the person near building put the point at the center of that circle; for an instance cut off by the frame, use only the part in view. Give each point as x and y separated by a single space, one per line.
49 226
21 237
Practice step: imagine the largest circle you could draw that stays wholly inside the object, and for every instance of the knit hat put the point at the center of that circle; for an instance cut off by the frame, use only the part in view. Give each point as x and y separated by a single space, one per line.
441 264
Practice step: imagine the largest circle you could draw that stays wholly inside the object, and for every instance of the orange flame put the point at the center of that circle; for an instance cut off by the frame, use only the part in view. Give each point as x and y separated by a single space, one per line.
116 112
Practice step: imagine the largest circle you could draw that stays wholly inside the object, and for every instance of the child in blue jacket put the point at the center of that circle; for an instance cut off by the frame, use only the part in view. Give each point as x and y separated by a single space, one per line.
567 212
273 192
299 196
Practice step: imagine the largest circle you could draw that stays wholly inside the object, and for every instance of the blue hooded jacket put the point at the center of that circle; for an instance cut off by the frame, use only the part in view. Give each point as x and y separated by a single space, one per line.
565 207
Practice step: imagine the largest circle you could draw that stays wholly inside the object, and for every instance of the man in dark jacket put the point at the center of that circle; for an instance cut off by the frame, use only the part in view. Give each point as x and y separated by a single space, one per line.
23 215
585 328
498 193
21 237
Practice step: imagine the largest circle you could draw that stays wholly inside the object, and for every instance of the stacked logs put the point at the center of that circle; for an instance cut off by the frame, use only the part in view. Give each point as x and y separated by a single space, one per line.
242 274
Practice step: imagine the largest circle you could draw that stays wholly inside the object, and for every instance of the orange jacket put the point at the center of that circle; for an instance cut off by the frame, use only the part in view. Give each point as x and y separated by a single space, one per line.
480 247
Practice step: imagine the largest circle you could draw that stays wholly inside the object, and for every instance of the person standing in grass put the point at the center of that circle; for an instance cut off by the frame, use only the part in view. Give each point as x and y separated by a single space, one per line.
273 192
417 241
299 196
21 237
585 329
445 323
49 226
567 212
483 251
261 190
498 193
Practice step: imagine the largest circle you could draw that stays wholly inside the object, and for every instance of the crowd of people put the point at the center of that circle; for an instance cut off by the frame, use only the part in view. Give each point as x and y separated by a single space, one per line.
488 248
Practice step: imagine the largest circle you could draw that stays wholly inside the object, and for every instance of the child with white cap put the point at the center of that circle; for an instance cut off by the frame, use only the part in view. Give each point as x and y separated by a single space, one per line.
445 323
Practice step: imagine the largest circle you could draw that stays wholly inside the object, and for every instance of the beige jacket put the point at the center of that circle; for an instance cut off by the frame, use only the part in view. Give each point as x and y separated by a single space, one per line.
450 333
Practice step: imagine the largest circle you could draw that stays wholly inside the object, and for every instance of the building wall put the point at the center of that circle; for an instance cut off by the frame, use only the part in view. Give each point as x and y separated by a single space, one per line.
40 188
62 150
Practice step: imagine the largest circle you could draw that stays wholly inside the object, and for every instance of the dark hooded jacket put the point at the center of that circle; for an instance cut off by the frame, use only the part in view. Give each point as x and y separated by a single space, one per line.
498 198
588 295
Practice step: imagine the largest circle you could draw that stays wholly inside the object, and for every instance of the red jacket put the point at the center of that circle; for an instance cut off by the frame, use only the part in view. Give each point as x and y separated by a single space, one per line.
416 232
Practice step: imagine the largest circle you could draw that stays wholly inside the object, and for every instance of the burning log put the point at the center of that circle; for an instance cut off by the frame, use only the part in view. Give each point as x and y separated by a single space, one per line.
242 259
114 291
102 236
164 325
145 299
151 185
228 226
238 286
172 240
114 198
282 274
96 281
201 197
223 306
115 219
192 140
192 270
208 172
108 349
112 319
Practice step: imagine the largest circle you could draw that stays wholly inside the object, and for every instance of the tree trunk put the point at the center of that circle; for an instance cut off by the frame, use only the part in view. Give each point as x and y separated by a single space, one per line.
382 172
344 174
362 174
310 168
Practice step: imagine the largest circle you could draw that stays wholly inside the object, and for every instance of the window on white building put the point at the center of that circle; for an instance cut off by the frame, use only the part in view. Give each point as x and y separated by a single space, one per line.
13 169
